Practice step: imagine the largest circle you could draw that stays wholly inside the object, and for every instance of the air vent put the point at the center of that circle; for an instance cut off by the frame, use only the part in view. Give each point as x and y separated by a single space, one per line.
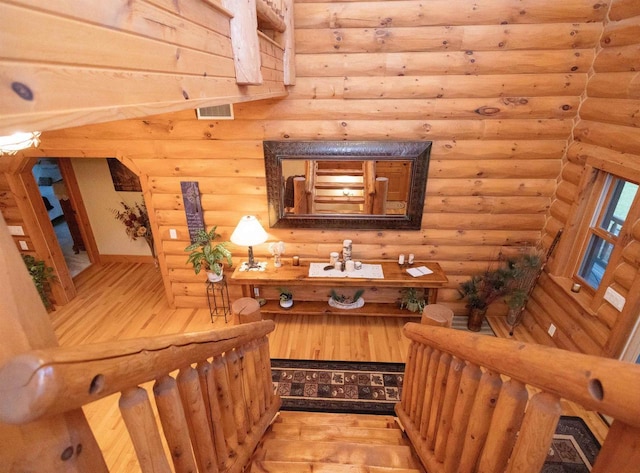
218 112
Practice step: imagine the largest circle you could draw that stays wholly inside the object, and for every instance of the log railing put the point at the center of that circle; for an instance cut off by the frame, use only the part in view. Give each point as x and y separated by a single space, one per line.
473 403
213 413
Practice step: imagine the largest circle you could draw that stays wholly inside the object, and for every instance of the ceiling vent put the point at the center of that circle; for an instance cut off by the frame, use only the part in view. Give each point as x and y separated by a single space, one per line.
218 112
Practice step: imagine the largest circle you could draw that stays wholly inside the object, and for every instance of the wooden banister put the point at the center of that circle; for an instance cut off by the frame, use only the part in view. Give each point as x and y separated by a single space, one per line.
466 405
213 413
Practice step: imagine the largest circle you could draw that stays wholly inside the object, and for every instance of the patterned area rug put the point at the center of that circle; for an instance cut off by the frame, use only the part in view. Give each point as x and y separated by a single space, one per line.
375 388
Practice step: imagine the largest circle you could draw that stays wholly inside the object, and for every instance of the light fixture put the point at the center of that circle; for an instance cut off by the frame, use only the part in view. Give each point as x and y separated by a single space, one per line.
18 141
249 232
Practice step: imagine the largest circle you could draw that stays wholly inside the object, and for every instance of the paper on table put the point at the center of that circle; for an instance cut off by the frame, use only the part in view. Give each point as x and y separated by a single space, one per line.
419 271
368 271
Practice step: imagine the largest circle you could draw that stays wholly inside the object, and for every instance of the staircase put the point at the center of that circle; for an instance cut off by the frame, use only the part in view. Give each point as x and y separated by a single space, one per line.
306 442
338 187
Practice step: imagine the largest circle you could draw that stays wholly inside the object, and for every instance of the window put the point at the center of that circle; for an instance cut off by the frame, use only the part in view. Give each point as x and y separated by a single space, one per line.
615 201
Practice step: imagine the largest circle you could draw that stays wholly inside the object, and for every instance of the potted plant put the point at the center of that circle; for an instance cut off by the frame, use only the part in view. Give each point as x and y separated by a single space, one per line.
286 297
341 301
42 276
524 271
481 291
207 255
411 300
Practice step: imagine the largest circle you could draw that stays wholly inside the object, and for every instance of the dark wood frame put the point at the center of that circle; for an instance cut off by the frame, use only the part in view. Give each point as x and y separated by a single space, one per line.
417 152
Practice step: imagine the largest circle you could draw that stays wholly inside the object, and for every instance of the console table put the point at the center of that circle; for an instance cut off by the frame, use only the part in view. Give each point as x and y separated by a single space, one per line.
311 294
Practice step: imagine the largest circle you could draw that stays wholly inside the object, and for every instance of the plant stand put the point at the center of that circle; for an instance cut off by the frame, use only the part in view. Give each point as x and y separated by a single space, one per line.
476 317
218 298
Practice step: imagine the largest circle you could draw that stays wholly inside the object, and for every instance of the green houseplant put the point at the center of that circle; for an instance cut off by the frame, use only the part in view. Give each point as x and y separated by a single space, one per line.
204 254
286 297
481 291
42 276
412 300
342 301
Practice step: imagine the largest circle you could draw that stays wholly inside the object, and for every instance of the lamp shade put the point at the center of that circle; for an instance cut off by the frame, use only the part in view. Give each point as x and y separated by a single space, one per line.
18 141
249 232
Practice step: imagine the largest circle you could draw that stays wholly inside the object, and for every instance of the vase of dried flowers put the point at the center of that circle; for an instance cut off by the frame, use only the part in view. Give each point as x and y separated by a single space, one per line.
136 224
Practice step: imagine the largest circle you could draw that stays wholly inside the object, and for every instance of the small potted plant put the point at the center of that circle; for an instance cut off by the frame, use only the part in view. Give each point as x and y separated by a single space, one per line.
411 300
341 301
286 297
207 255
42 276
481 291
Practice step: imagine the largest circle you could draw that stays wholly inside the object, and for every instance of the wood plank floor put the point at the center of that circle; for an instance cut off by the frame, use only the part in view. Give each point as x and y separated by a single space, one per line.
120 301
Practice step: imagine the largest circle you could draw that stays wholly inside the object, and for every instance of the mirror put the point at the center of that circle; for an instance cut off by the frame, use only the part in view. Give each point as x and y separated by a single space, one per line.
342 184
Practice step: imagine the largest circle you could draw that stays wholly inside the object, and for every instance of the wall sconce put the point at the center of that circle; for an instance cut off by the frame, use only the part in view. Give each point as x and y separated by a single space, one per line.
249 232
18 141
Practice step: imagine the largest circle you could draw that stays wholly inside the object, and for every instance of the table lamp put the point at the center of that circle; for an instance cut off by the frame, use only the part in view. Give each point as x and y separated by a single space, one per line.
249 232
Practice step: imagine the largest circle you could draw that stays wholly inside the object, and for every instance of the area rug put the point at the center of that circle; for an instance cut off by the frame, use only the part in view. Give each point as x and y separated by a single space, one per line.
375 388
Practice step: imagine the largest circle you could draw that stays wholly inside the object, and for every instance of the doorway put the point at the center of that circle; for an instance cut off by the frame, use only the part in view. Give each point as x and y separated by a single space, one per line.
60 208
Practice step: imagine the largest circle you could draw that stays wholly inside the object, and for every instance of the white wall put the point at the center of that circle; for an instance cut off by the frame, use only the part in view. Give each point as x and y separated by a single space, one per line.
100 198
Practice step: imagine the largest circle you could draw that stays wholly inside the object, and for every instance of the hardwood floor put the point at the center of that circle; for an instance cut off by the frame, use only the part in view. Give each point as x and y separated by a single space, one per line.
120 301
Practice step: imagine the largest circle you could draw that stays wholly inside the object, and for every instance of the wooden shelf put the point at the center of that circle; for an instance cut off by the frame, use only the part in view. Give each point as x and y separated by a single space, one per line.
374 309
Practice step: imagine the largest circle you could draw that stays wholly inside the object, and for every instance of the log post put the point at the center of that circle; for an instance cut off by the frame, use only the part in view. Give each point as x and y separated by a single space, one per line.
504 428
480 420
300 196
417 394
432 372
536 434
266 372
380 196
174 424
446 417
223 392
141 423
234 370
196 414
438 399
209 388
461 413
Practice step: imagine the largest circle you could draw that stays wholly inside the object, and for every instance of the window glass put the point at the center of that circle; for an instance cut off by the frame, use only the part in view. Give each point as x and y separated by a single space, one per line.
615 203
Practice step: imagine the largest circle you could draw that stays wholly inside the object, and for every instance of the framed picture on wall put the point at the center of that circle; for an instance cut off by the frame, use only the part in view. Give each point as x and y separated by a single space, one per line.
123 178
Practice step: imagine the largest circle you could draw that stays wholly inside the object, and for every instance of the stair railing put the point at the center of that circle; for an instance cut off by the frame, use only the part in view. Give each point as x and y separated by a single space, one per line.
473 403
213 412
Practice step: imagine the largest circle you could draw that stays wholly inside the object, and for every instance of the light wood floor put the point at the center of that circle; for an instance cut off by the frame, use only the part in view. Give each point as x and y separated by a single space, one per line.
121 301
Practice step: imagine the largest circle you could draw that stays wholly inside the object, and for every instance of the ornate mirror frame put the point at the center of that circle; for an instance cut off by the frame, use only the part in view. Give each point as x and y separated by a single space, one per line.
416 152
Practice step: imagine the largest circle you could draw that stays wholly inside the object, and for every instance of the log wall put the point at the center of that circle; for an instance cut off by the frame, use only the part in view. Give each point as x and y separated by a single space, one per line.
495 85
606 136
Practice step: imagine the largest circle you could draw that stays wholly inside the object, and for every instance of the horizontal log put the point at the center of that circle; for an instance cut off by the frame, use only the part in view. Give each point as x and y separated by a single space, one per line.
464 86
209 201
560 210
494 168
572 173
210 185
498 149
567 192
621 9
614 111
443 38
407 109
615 85
618 138
515 129
615 162
490 187
625 273
482 221
202 167
493 205
129 93
617 59
621 33
104 46
442 12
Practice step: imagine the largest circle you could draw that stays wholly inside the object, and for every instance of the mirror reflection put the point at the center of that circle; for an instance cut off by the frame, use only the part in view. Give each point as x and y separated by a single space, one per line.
346 187
329 184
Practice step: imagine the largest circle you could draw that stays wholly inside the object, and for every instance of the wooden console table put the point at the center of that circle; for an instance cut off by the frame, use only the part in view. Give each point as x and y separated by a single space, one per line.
311 293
